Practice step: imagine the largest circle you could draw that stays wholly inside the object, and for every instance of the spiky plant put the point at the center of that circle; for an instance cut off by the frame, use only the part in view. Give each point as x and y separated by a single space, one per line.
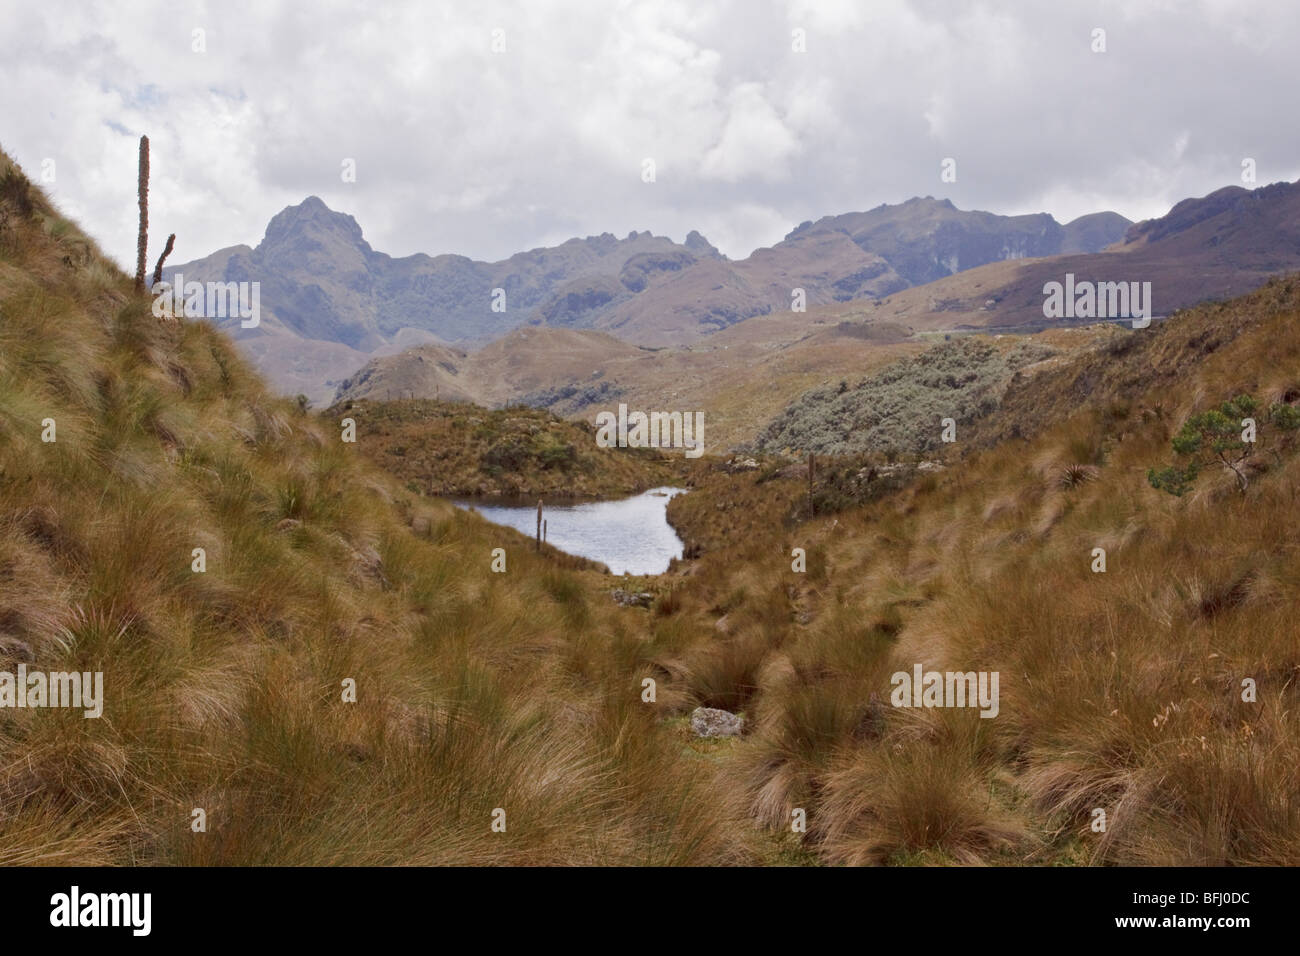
142 242
1075 475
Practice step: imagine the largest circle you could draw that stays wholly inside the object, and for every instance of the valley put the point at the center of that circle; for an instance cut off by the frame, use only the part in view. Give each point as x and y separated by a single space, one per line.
743 375
487 676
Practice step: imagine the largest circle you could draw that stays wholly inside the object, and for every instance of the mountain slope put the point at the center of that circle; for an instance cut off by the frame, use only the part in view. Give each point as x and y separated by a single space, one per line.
1215 247
226 686
925 239
330 301
684 306
1148 711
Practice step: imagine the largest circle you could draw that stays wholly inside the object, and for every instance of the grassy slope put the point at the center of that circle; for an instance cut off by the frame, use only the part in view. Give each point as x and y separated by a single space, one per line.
1119 690
739 377
475 690
445 448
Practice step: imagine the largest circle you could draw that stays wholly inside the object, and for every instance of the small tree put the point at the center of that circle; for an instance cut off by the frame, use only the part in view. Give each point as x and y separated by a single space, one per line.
1221 436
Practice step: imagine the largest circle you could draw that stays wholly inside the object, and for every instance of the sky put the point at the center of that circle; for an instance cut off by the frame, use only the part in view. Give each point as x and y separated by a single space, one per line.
487 128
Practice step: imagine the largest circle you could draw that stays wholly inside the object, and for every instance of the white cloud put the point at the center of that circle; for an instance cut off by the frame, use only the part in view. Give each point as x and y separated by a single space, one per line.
754 143
742 228
462 150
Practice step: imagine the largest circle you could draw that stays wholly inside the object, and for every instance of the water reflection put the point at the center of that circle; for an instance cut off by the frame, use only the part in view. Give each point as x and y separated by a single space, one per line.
629 536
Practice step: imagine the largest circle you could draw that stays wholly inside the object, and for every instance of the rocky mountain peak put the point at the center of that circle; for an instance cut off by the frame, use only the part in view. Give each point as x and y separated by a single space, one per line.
700 246
311 218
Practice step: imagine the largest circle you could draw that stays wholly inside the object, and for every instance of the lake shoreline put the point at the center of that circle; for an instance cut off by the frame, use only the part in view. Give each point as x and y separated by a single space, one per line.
629 535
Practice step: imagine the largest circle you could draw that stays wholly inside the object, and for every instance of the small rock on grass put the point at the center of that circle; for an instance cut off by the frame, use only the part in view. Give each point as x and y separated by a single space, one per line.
632 598
711 722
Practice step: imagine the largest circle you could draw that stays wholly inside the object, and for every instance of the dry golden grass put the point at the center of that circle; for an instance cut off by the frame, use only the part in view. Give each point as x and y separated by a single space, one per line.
223 689
1120 691
457 450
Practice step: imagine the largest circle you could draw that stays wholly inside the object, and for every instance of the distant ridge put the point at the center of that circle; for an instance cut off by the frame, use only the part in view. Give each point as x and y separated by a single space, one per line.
330 301
925 239
1224 244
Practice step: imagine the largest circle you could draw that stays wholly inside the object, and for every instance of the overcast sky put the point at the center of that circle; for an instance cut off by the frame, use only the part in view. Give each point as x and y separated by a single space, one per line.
462 149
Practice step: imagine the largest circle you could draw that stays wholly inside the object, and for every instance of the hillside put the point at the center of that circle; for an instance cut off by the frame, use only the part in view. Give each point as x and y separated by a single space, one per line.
1215 247
456 450
1158 688
223 688
1160 691
901 408
926 239
521 364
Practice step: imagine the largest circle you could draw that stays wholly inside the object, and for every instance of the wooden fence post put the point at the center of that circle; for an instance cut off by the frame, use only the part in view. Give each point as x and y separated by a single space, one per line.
812 509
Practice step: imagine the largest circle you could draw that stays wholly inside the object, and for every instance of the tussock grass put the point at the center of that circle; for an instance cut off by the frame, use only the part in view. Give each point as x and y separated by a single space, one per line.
1120 691
224 689
458 450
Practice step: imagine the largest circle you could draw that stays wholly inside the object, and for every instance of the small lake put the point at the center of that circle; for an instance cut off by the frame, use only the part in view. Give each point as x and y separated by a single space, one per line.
629 536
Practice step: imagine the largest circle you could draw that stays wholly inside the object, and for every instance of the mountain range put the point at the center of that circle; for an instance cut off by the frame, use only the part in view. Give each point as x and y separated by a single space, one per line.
330 302
1214 247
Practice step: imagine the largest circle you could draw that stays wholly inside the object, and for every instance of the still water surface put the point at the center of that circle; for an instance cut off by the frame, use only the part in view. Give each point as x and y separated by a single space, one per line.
630 536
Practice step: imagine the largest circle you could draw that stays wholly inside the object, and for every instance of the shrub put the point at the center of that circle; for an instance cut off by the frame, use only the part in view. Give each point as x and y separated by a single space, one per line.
1215 436
900 407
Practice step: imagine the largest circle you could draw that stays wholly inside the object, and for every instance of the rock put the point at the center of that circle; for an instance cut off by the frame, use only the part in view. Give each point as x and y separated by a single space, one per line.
367 561
365 566
632 598
741 464
711 722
